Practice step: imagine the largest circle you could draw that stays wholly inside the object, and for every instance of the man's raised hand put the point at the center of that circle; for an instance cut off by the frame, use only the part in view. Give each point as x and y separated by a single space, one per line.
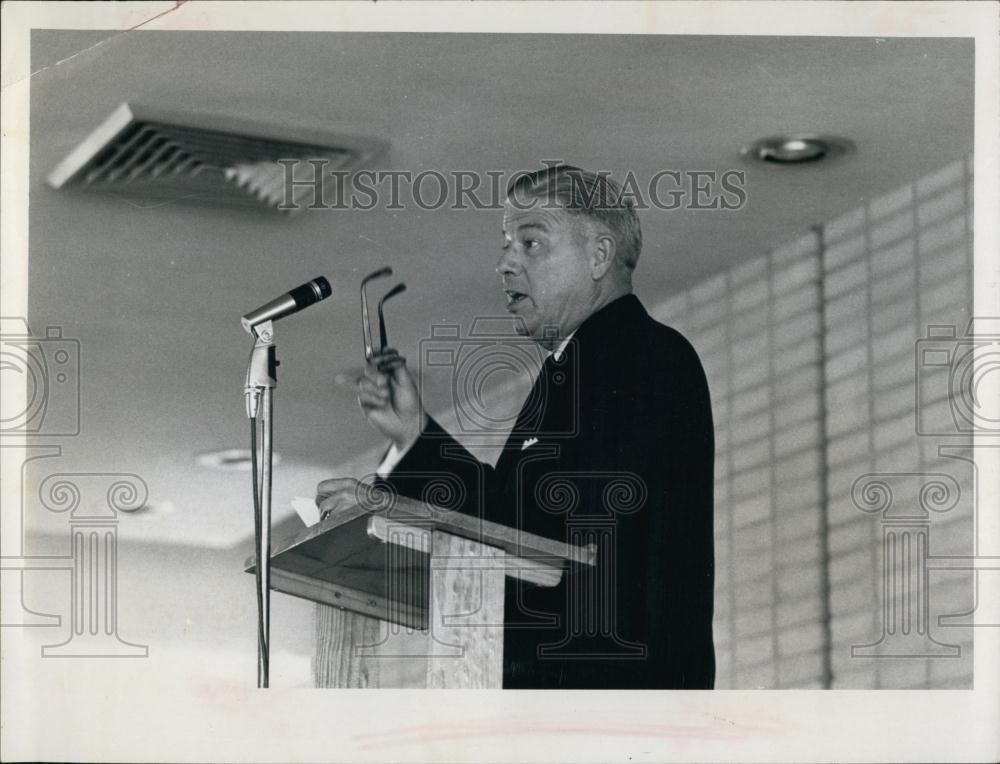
389 398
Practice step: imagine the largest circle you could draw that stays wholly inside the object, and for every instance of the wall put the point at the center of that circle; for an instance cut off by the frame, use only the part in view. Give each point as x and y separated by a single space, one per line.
812 356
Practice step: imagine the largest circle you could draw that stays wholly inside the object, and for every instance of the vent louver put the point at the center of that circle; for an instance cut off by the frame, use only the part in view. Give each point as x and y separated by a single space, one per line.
149 153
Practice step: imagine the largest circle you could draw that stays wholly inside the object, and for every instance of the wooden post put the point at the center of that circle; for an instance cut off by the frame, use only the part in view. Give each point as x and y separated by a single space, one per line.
463 646
466 614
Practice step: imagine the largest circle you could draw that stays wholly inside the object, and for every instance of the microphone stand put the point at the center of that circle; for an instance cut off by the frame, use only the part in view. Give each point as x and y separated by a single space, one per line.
261 379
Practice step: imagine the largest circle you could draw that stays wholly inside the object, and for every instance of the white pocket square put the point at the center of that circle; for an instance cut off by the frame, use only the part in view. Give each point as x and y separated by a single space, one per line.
529 443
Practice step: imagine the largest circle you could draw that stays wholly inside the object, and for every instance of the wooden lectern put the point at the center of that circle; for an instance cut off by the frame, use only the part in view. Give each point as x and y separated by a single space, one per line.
411 595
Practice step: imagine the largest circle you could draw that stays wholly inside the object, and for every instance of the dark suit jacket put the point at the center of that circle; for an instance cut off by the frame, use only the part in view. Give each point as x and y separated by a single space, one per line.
624 459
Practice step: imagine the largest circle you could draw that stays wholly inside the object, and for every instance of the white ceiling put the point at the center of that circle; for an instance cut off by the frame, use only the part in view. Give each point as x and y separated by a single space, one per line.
154 294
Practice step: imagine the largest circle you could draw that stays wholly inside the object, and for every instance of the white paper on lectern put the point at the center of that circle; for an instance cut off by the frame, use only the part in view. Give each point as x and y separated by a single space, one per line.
306 509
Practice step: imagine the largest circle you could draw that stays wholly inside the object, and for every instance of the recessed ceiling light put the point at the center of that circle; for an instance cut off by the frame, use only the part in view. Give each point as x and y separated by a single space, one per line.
797 148
231 459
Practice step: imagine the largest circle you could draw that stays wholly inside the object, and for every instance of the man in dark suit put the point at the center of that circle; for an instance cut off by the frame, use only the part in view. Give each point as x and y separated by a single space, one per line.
614 446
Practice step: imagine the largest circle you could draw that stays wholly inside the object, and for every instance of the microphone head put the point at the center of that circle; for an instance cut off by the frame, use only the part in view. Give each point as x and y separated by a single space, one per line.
291 302
311 292
323 287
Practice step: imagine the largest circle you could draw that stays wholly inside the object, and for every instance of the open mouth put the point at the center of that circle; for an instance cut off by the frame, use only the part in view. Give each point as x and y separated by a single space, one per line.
513 297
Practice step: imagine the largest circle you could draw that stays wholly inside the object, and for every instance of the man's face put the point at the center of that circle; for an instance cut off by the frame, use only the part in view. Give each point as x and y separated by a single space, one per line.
545 269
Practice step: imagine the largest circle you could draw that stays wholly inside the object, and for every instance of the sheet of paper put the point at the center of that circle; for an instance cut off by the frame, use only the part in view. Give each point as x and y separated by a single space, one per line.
306 509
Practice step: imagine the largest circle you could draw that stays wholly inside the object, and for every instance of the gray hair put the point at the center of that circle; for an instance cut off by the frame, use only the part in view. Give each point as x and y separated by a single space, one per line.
593 195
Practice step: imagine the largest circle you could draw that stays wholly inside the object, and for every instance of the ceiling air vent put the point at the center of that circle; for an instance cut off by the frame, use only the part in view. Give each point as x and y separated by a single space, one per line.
168 157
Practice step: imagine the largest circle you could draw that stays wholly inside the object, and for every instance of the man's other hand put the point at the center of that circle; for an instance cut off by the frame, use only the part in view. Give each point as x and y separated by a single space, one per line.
390 400
336 494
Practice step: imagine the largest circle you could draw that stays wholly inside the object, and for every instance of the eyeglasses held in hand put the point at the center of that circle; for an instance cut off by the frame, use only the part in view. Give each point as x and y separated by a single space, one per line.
366 326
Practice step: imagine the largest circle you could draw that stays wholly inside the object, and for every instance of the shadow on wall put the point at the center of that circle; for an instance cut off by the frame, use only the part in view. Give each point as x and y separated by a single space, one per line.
811 356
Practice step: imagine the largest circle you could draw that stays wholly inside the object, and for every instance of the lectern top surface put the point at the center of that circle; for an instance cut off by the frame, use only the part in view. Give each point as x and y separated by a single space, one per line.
340 561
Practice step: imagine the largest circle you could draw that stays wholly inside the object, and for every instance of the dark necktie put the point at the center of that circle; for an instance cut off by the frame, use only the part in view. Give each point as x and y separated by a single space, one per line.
538 402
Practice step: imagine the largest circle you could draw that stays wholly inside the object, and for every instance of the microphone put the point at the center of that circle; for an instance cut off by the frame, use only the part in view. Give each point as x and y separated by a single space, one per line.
290 302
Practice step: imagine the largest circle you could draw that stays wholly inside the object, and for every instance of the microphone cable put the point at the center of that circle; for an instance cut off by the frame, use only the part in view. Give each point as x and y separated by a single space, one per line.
258 566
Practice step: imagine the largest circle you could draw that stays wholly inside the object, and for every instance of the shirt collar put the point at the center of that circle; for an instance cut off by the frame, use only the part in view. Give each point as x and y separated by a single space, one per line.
557 354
